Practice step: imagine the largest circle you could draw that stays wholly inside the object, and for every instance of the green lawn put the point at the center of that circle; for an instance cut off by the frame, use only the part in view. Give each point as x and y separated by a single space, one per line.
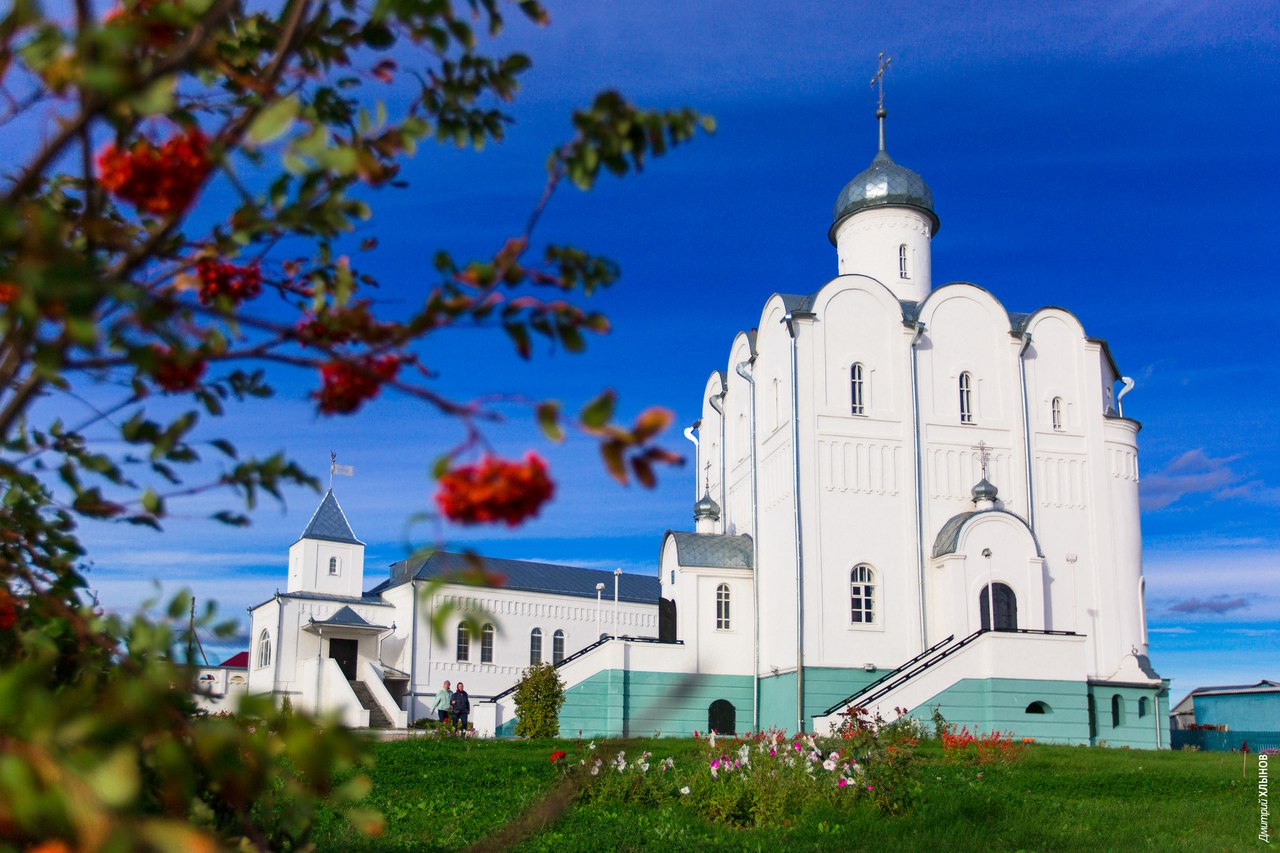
445 795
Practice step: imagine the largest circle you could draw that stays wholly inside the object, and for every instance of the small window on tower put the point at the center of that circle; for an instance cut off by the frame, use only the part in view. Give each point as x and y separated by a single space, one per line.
966 398
857 390
1055 412
903 270
333 565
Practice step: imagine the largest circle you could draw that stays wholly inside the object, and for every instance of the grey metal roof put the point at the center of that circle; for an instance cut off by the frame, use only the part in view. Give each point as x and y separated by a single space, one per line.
884 182
1263 686
329 523
712 550
347 616
370 599
949 536
527 576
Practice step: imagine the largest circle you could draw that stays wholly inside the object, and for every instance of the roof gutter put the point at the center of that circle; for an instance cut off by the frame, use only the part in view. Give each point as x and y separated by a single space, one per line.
717 403
1026 431
744 370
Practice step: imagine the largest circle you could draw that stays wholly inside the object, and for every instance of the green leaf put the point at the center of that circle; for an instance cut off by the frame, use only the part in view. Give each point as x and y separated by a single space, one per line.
549 420
599 411
274 121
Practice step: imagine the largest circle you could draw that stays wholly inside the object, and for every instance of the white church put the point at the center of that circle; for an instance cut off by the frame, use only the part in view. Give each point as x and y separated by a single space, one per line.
914 499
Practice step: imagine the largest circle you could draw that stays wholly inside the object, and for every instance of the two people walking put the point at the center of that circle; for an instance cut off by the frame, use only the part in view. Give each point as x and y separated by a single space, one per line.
453 706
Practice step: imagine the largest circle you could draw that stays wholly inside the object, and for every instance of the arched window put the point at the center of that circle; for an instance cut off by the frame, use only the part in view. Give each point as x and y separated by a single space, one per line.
1006 607
1055 412
333 565
903 271
1038 707
535 647
464 642
966 398
1117 711
673 577
722 607
486 644
857 389
264 649
862 595
557 646
1142 706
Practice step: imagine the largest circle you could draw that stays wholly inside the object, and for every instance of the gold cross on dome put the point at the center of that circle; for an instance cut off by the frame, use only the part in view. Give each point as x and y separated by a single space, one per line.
984 456
877 81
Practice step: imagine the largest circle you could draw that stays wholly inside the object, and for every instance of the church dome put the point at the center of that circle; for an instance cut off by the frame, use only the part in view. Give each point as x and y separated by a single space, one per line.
706 508
884 183
984 491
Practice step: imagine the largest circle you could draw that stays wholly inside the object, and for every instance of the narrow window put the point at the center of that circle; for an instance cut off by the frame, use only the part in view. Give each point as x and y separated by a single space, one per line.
486 644
903 272
722 607
557 646
1142 706
966 398
1055 412
856 389
464 642
1117 711
535 647
264 649
673 577
862 595
333 565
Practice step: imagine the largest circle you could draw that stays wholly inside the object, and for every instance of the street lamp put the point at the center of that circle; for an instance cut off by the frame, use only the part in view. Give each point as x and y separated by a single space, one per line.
599 591
617 573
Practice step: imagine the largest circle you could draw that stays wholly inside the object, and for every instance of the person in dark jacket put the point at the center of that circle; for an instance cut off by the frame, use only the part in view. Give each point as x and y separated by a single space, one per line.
460 707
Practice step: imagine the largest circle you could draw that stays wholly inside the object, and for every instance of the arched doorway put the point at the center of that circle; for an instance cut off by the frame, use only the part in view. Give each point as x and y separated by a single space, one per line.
722 717
666 620
1006 607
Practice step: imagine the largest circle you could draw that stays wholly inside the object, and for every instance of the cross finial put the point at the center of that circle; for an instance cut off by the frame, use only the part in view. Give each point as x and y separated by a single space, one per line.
877 81
984 456
708 477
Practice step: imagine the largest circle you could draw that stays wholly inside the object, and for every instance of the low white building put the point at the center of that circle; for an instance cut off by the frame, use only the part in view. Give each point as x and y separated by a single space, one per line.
887 467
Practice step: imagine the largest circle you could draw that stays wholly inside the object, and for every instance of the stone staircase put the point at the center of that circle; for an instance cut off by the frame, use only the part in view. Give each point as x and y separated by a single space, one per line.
378 718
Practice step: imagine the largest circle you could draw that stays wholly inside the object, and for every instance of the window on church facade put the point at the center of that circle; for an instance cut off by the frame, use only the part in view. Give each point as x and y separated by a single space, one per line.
535 647
857 390
486 644
862 595
264 649
557 646
723 622
903 271
464 642
333 565
1055 412
1117 711
1142 706
966 398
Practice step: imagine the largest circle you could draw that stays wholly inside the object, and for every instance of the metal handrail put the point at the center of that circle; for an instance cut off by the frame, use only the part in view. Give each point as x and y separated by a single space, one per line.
890 674
947 653
580 652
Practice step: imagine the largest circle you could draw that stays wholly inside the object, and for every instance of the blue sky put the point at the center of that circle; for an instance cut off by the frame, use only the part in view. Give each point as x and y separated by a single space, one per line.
1117 159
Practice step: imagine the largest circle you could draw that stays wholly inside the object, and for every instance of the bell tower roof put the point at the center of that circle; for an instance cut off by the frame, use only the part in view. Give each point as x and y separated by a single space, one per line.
329 523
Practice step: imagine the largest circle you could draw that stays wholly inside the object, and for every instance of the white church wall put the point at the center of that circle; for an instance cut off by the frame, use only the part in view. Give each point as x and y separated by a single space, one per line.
725 650
860 322
309 567
1126 543
264 618
868 243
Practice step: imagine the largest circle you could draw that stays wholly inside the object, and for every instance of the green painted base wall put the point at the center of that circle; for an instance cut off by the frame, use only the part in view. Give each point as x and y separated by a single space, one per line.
778 702
617 703
823 687
1132 728
999 704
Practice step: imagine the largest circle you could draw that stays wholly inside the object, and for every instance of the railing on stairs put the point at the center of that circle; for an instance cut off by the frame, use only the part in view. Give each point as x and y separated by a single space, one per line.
597 644
862 698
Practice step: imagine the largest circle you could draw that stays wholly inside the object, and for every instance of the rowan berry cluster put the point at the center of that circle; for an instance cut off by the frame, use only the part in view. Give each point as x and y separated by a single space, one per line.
177 372
344 325
346 385
495 490
162 180
221 279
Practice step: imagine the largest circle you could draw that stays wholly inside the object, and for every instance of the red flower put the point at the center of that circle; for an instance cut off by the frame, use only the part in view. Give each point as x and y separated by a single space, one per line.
495 490
177 372
9 292
218 278
161 180
558 755
346 385
9 612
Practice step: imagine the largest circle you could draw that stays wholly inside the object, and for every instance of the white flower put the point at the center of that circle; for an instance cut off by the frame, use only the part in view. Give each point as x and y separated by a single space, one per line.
595 771
829 766
684 791
715 774
711 738
591 746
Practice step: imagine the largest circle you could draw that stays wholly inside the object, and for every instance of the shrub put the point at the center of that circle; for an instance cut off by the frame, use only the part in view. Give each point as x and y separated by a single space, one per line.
538 698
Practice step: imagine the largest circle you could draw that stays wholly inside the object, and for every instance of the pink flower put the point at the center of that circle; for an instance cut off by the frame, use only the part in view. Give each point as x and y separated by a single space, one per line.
843 782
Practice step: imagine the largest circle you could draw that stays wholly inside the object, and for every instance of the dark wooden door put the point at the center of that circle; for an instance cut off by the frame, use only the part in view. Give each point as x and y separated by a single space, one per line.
666 620
344 652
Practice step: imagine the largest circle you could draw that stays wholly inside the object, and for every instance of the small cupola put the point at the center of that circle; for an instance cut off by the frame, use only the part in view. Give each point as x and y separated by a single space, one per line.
984 494
706 514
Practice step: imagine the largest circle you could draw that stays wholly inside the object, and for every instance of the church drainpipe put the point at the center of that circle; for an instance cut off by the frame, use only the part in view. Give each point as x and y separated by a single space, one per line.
413 656
744 370
1026 432
915 419
275 669
319 665
790 319
717 403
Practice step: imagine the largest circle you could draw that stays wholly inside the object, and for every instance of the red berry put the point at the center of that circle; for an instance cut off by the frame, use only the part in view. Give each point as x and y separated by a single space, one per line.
495 490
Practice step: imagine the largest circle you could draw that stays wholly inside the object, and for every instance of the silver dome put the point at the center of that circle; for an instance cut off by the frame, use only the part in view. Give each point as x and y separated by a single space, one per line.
884 182
706 508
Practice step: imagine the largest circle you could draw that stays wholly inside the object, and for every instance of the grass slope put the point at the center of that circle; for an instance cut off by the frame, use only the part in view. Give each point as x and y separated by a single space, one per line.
444 795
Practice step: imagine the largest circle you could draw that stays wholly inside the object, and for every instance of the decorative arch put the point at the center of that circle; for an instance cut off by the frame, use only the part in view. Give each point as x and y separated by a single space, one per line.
1117 710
